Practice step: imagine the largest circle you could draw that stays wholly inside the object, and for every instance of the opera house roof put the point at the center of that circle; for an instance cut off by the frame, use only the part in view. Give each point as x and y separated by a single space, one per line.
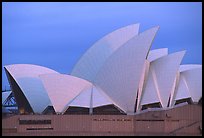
119 69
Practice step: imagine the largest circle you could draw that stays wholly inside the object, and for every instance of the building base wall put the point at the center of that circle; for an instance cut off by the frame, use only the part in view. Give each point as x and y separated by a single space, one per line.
184 120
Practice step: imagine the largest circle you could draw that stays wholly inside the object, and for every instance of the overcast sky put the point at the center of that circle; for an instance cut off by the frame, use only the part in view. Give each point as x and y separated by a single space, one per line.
56 35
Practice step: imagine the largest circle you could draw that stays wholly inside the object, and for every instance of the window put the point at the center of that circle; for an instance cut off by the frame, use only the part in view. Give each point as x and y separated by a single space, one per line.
34 122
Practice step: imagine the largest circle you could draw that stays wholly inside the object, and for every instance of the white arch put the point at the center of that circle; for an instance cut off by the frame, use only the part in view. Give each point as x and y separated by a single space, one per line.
161 79
91 98
62 89
189 83
193 79
120 75
182 91
66 90
89 64
27 78
150 91
152 55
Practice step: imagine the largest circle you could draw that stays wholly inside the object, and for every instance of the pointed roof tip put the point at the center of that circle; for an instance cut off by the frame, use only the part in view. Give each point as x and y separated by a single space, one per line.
184 51
156 27
163 48
136 25
181 52
178 54
6 65
131 25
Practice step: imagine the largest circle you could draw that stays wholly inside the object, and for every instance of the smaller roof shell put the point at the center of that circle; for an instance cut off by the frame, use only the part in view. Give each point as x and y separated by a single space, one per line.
158 88
157 53
27 78
65 90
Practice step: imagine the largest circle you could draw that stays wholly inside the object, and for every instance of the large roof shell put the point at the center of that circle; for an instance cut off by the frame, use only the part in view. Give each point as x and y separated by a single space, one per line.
89 64
120 75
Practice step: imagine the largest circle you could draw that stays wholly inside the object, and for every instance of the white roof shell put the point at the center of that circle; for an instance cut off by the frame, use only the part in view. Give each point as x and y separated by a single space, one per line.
62 89
141 83
150 90
189 83
66 90
89 64
91 98
152 55
189 67
100 98
182 91
157 53
83 99
193 79
120 75
158 88
27 78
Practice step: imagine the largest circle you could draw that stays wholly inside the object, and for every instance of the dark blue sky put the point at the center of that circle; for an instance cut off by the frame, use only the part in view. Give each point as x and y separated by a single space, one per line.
56 35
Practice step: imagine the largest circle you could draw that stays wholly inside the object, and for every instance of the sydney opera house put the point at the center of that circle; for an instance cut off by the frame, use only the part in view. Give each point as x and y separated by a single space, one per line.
118 87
